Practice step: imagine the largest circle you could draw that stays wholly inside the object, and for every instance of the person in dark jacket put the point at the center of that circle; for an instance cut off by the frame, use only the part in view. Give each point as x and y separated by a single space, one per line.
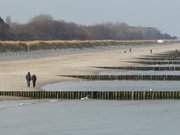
151 51
34 79
28 79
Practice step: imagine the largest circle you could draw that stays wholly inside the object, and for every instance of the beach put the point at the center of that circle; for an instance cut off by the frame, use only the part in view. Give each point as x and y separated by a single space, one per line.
79 62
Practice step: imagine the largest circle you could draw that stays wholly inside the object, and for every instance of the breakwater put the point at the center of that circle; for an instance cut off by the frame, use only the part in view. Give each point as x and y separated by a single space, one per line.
158 58
97 95
174 62
126 77
146 68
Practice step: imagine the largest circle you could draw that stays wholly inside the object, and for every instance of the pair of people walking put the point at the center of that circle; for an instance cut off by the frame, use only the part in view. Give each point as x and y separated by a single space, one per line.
30 78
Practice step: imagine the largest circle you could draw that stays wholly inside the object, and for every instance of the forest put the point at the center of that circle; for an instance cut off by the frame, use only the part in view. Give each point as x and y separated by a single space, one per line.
45 27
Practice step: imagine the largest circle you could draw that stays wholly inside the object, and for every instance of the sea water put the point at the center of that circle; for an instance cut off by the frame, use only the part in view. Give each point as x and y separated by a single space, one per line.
51 117
114 86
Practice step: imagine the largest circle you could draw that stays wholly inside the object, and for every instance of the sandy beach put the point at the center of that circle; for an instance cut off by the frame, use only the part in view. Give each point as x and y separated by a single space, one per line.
12 72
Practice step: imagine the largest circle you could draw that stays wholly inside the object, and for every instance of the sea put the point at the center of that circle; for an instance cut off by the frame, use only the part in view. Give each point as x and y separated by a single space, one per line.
89 117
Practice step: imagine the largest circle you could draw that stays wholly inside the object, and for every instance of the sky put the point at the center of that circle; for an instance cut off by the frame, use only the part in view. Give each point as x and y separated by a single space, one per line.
162 14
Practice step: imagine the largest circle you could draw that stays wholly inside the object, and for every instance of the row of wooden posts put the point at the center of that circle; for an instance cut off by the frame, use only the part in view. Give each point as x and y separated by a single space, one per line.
126 77
156 62
160 58
98 95
146 68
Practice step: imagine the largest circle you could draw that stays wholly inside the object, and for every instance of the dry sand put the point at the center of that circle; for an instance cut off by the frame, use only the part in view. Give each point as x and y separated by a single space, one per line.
12 73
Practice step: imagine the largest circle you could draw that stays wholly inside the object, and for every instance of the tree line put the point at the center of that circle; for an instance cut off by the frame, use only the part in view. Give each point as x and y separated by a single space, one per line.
44 27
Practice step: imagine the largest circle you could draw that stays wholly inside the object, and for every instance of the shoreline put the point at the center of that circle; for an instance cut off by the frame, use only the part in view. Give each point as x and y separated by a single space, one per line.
94 72
12 73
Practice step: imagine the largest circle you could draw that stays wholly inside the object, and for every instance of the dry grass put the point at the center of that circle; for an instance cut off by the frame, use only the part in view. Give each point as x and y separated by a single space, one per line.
58 44
73 41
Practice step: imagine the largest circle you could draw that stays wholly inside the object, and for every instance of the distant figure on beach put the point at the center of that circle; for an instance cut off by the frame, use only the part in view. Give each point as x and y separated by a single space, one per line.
151 51
130 50
28 79
34 79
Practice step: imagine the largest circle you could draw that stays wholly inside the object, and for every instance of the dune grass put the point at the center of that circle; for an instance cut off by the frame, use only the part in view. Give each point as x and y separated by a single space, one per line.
58 44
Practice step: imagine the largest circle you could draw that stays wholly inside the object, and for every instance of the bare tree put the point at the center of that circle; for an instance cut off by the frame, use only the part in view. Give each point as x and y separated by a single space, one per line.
44 27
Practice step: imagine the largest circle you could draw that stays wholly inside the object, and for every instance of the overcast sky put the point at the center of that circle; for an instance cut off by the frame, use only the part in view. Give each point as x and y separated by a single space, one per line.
163 14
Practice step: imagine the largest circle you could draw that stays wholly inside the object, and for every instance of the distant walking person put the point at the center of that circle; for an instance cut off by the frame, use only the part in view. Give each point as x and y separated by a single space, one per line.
34 79
151 51
28 79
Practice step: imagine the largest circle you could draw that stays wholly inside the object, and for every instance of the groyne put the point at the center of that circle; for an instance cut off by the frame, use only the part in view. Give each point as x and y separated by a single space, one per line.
174 62
146 68
97 95
159 58
126 77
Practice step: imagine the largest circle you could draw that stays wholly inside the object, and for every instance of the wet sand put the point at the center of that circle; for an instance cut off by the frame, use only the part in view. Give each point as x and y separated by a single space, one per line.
12 72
